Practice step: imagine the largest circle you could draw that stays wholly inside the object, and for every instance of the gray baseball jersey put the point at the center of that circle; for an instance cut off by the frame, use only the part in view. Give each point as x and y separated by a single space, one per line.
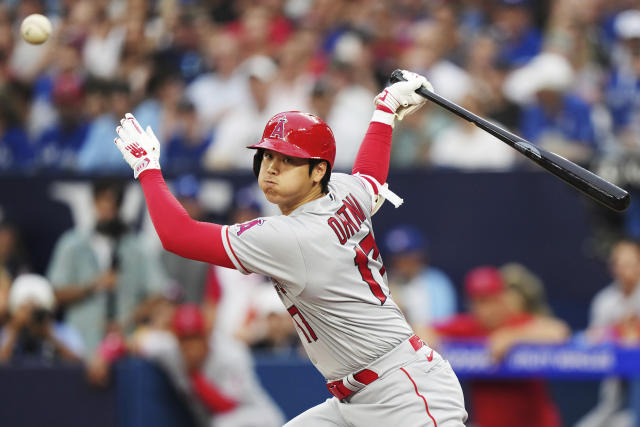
327 270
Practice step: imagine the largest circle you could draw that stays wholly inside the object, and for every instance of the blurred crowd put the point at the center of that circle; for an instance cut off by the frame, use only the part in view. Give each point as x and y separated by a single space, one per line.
106 296
206 76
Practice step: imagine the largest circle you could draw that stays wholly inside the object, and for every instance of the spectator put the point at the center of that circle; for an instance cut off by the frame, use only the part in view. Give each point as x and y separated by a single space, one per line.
491 316
271 330
190 140
623 88
13 262
100 275
104 42
217 376
424 293
428 53
488 75
349 112
219 92
31 333
16 149
243 126
525 291
615 317
553 117
466 147
13 256
237 302
159 110
518 38
192 277
96 154
57 148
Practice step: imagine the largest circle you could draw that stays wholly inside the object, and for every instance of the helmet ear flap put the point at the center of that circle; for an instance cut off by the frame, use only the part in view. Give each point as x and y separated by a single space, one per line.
257 161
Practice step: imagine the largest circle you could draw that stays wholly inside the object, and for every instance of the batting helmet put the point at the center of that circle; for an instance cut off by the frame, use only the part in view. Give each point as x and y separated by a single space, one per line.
299 134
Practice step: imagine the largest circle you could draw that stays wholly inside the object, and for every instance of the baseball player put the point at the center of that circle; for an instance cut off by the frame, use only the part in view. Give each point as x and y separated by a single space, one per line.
324 262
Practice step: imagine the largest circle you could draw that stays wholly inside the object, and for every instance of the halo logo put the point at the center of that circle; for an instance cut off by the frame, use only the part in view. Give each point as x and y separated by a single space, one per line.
278 131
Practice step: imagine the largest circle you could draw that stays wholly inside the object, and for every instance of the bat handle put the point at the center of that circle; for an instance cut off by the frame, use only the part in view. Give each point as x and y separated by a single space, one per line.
396 76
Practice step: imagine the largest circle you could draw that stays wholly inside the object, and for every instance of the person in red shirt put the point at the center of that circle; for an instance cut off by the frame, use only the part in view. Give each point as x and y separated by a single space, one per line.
492 317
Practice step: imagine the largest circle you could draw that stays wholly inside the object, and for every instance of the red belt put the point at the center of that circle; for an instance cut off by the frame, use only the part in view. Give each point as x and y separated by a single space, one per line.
366 376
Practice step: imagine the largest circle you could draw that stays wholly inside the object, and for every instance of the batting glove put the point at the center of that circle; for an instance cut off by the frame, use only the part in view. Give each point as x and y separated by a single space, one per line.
141 149
401 98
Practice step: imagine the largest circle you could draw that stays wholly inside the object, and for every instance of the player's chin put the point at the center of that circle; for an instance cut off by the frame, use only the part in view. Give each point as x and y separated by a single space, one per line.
271 195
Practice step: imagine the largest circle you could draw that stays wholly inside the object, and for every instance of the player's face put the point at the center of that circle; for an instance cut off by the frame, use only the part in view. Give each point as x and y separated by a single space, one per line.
286 181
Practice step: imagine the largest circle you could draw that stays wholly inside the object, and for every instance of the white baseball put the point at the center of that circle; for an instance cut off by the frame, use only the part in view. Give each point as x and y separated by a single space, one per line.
36 28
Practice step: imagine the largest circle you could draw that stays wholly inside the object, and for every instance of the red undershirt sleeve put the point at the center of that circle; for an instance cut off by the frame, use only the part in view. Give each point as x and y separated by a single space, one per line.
178 232
209 394
375 152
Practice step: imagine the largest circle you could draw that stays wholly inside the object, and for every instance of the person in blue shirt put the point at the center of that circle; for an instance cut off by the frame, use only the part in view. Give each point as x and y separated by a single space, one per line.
186 147
554 118
96 156
58 146
16 151
519 40
623 88
424 293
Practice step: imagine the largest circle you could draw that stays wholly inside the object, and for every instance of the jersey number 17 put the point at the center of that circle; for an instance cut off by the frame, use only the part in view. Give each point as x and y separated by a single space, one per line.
367 245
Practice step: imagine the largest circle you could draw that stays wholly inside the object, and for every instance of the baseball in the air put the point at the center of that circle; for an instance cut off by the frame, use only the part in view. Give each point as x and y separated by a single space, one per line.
36 28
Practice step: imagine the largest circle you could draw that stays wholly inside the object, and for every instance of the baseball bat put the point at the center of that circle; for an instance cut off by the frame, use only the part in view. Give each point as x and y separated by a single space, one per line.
587 182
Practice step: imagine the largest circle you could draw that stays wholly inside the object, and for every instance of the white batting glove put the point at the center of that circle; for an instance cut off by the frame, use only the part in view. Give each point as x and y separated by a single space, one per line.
400 98
139 148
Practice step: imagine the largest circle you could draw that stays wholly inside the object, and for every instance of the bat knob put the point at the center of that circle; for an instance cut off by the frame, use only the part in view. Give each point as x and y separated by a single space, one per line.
396 76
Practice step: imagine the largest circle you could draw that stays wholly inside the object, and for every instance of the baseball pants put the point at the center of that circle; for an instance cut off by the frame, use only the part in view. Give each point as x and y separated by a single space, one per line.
420 392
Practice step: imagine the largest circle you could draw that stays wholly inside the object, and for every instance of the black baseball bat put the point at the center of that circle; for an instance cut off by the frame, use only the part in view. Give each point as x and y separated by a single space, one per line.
587 182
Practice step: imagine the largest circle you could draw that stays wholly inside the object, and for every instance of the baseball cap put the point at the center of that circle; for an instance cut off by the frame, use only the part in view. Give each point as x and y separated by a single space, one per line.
31 288
260 67
188 321
403 239
483 281
67 89
627 24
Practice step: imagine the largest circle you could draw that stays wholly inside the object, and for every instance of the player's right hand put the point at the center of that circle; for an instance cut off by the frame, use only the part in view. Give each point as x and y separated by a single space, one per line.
401 97
141 149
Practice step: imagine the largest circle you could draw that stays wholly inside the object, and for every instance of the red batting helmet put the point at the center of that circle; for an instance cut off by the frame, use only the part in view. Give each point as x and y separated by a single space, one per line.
299 134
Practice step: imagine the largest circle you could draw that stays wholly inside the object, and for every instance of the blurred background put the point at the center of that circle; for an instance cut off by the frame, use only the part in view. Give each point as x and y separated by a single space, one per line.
529 288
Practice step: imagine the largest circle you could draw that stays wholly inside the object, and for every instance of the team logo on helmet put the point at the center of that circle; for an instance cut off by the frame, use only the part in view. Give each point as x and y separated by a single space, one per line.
278 131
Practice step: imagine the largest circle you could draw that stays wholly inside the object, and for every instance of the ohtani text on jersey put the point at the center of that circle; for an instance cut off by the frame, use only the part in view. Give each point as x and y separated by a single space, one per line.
347 220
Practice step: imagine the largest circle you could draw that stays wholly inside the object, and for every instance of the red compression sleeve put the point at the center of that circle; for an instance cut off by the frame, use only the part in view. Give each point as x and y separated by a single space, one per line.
210 395
375 152
178 232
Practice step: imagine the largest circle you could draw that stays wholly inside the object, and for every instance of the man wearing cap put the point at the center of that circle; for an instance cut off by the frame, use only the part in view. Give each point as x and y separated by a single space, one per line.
552 116
524 403
217 375
623 88
424 293
31 332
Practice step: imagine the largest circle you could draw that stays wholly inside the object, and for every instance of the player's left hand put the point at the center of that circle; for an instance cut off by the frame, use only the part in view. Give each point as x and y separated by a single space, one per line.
401 97
141 149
